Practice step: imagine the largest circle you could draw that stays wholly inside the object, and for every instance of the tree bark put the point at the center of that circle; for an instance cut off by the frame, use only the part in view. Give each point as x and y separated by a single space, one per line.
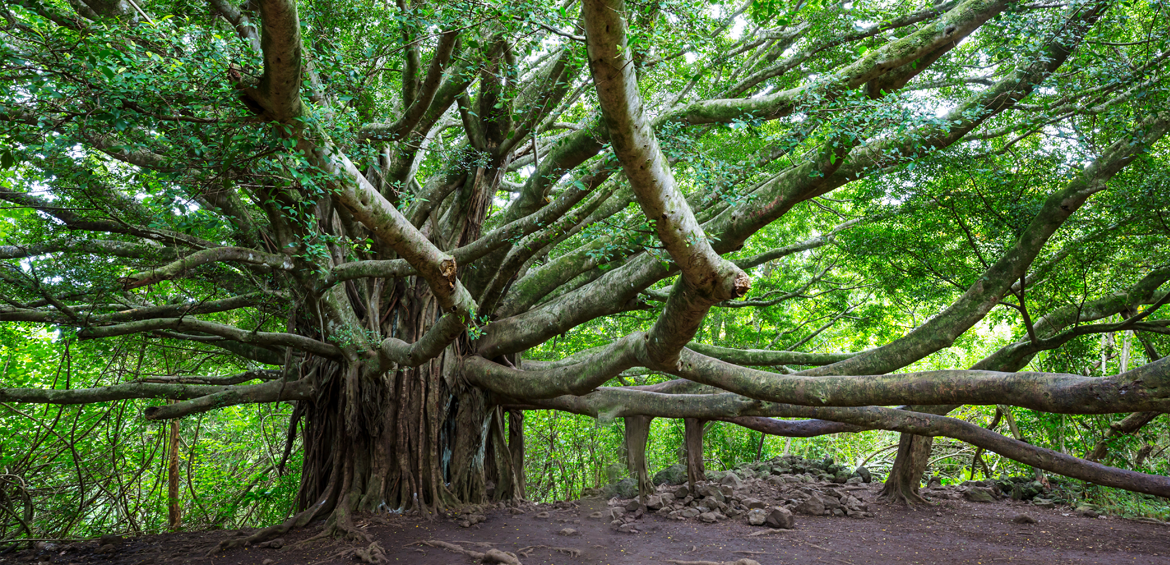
909 466
637 434
516 447
174 508
693 439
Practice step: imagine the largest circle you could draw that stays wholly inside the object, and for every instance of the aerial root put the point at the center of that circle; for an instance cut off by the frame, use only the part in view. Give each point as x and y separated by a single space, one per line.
372 554
490 556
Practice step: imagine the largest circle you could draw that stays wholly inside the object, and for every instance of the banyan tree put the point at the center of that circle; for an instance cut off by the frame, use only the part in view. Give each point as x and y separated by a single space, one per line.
382 211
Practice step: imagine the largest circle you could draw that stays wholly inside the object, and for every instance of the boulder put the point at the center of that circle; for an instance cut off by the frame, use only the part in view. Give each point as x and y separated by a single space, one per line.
813 506
689 512
682 491
625 488
780 517
979 494
757 516
653 502
633 505
673 475
708 517
864 474
752 503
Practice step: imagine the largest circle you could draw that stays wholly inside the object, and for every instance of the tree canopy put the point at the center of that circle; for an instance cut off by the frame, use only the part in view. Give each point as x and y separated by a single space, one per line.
415 219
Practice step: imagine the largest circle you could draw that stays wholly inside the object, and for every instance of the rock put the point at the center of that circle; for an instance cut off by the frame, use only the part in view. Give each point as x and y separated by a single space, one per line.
754 503
841 477
568 532
1087 511
653 502
732 480
625 488
864 474
1043 503
274 544
979 494
267 562
756 516
854 481
689 512
596 515
682 491
1024 519
542 515
780 517
667 498
813 506
633 505
708 517
627 528
673 475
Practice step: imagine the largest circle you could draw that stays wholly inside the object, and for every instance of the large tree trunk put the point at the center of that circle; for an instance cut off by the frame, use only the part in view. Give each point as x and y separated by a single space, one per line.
693 440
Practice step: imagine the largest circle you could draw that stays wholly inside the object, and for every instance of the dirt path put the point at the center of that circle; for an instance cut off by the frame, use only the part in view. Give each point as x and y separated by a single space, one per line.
951 532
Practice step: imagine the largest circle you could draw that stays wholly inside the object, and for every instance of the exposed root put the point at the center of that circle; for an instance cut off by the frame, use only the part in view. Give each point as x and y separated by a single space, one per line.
906 496
744 561
372 554
271 532
566 550
490 556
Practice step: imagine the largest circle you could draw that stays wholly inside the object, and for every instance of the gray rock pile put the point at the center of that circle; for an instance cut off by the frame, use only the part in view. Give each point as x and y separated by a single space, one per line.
768 493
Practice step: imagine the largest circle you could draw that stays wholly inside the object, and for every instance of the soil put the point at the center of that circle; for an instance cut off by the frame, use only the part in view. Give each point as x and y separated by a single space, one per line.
951 530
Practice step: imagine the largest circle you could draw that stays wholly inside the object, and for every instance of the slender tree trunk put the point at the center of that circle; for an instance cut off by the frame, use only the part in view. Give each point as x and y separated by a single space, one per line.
516 446
637 435
174 508
693 439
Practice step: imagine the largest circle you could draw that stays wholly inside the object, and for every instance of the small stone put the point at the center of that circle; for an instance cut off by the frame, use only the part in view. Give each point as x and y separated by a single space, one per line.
1043 503
1024 519
464 523
689 512
754 503
273 544
628 528
708 517
267 562
756 516
542 515
568 532
780 517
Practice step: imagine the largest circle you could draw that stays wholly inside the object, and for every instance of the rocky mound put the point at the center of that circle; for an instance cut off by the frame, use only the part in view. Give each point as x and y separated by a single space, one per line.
766 493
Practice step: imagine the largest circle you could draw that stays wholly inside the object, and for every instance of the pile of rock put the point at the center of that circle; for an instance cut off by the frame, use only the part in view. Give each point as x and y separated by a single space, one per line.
766 493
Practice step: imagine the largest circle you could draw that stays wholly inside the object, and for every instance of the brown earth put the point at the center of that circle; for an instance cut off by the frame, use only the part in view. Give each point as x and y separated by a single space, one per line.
953 530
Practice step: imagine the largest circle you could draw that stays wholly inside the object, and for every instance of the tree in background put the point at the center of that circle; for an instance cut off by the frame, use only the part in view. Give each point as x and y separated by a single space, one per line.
390 213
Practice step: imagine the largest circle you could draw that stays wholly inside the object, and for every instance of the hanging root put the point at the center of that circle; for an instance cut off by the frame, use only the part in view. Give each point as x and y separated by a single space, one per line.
490 556
372 554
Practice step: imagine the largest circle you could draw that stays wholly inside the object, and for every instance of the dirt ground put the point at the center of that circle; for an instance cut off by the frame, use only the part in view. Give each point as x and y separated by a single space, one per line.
951 532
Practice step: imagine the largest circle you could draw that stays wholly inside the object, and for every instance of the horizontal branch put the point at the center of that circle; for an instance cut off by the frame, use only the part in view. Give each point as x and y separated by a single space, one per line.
125 391
274 391
229 332
764 357
262 374
203 257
